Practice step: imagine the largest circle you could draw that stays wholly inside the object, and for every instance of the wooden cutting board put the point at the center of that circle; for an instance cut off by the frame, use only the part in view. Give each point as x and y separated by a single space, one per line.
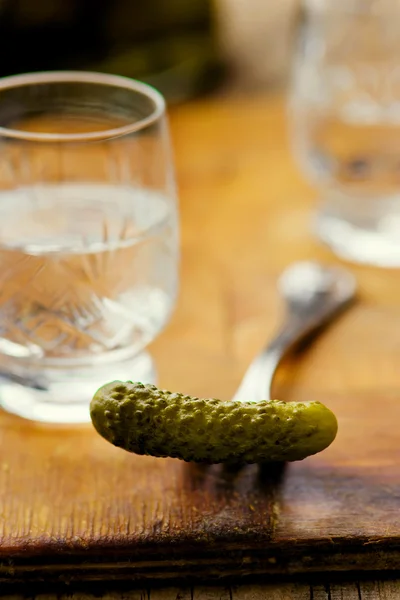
73 508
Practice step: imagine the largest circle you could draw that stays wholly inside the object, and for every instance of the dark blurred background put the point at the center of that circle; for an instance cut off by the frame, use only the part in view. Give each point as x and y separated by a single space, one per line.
185 48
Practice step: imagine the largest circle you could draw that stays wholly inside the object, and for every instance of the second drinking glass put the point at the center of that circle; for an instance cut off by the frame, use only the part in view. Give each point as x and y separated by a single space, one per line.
345 124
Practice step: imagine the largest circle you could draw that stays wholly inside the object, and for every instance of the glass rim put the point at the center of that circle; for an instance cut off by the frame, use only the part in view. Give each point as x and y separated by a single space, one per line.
117 81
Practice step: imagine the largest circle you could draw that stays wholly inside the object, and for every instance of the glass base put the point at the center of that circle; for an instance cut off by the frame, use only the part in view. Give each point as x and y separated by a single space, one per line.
363 232
63 395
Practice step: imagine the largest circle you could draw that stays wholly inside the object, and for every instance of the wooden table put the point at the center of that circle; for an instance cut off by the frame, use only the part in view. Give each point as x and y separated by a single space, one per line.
246 214
354 590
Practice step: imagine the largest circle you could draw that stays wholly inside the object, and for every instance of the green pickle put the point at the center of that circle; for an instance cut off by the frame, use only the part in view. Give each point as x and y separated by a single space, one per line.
145 420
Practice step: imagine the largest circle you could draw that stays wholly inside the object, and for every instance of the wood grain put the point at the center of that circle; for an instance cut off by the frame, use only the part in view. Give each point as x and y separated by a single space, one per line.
74 508
353 590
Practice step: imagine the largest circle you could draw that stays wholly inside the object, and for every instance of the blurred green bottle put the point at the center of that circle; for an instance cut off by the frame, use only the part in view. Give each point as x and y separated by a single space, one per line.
171 44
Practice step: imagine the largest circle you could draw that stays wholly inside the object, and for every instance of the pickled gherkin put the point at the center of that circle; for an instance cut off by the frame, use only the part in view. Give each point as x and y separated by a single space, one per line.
146 420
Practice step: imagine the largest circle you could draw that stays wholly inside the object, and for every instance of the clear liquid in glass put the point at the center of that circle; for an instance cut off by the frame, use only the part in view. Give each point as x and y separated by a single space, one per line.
345 118
87 279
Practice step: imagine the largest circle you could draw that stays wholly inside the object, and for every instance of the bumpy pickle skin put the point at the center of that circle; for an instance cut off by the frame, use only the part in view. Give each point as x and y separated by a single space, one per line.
145 420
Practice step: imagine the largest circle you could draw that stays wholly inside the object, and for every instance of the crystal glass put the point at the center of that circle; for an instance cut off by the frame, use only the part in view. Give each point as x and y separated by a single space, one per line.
88 238
344 112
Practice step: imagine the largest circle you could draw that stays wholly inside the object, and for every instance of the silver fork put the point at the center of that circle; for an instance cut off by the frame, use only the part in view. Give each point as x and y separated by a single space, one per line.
314 295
